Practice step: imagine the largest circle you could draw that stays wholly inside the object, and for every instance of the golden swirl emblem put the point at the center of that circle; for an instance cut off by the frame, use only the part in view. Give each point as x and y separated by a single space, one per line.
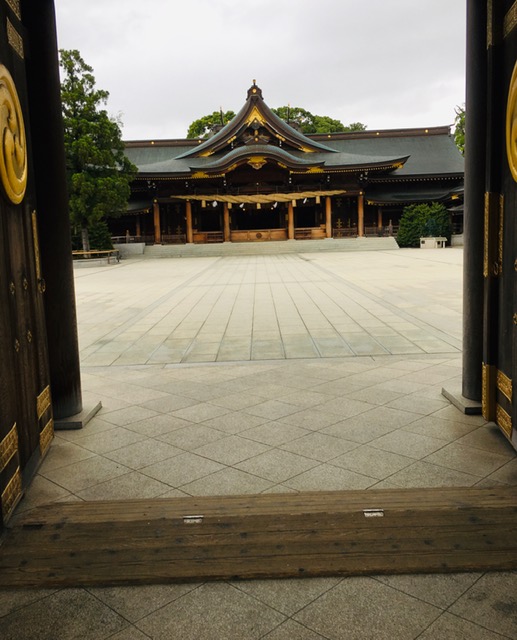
511 125
13 147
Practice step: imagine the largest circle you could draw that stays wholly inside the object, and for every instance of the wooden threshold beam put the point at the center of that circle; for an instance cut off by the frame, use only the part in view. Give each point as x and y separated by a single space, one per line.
262 536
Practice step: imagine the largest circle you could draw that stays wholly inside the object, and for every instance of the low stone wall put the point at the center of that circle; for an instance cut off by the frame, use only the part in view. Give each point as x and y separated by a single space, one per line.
130 249
457 240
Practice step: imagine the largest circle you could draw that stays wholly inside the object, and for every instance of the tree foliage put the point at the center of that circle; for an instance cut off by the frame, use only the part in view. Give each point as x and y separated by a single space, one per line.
98 172
459 129
202 127
423 220
303 119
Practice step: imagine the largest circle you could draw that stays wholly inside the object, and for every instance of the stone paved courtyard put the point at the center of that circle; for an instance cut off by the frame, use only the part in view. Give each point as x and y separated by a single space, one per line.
260 374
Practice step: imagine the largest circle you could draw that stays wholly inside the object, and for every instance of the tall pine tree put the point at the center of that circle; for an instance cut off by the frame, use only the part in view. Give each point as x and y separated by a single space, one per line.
98 172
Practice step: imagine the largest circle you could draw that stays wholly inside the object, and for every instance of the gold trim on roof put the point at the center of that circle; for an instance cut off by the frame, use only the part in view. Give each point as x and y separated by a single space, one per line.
43 401
8 447
11 494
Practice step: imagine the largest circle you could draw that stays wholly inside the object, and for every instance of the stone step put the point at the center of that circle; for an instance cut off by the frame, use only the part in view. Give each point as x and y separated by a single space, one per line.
269 248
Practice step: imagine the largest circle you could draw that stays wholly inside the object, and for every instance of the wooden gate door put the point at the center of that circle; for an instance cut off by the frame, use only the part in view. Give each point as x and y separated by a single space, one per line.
26 426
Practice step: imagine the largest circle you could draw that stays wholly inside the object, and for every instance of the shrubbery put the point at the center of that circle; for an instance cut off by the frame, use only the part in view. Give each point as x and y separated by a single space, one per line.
421 221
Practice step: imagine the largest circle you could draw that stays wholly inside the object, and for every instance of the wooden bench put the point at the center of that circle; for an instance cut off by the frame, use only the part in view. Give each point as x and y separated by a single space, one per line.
262 536
109 254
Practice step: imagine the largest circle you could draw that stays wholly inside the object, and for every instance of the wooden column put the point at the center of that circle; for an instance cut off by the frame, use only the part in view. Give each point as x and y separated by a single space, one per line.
138 232
328 217
188 217
379 218
157 225
290 221
226 216
360 215
54 223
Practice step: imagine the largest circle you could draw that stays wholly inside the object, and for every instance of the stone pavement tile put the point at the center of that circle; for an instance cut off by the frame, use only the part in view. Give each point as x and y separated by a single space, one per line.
236 401
441 590
109 440
86 473
372 462
276 465
132 393
488 438
418 403
339 387
127 415
450 626
13 599
274 433
182 469
424 474
62 453
228 481
42 491
133 485
169 402
314 419
319 446
96 425
142 454
271 409
376 395
200 412
467 459
452 413
290 629
70 613
345 408
231 449
90 399
363 608
130 633
289 595
506 474
215 610
234 422
134 603
434 427
327 477
371 424
158 425
491 603
271 391
305 398
191 437
405 443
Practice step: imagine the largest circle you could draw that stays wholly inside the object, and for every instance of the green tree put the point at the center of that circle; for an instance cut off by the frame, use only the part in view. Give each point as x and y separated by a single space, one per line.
310 123
459 129
98 172
202 127
423 220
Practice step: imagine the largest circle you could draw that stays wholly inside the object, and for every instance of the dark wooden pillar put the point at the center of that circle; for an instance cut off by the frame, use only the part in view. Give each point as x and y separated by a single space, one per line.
157 223
475 166
52 206
188 218
360 215
226 222
379 219
328 217
290 220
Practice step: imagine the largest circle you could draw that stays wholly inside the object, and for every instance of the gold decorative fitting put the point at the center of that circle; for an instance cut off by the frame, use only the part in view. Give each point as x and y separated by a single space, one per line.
43 401
13 150
8 447
29 336
488 374
511 124
12 288
25 284
257 162
45 437
15 6
515 318
15 39
504 420
12 494
16 345
510 20
504 384
493 235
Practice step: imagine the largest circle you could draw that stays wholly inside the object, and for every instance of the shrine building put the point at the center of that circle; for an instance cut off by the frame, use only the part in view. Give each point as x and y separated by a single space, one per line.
258 178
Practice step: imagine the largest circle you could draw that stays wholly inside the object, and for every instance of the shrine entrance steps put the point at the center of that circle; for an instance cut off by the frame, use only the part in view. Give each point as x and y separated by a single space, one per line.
269 248
337 533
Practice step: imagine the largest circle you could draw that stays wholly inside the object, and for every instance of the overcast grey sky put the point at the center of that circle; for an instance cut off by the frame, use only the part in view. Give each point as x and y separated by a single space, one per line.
388 64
